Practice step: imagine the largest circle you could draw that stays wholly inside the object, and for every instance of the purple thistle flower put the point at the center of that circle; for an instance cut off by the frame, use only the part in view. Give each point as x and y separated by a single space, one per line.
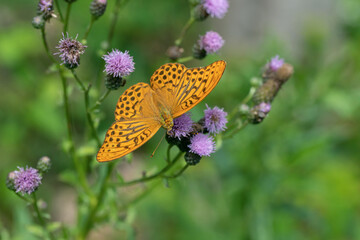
118 64
211 42
276 63
27 180
182 126
70 51
45 6
202 145
216 8
215 119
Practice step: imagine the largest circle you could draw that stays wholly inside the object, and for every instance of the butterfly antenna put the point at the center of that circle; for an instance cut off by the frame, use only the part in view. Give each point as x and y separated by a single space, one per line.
158 145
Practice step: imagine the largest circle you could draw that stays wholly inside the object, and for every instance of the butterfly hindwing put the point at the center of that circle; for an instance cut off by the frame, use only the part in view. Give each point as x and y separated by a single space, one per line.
125 136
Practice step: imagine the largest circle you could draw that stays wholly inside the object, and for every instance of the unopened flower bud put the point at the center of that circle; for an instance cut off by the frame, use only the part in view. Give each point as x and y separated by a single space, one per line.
38 22
192 158
70 51
97 8
275 75
259 112
10 180
199 12
113 83
44 164
198 52
244 109
174 52
256 82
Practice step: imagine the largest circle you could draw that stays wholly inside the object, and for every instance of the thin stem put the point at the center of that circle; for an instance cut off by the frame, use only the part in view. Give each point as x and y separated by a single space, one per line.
168 153
100 100
99 200
80 83
68 9
88 112
59 10
139 197
184 30
230 134
114 18
40 217
160 173
89 27
185 59
43 36
175 175
79 168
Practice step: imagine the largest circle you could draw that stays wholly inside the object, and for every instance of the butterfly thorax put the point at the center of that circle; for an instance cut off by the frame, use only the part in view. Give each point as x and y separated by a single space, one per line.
166 119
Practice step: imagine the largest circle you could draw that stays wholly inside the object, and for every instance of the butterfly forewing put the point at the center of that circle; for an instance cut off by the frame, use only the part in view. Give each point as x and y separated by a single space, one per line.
195 85
129 105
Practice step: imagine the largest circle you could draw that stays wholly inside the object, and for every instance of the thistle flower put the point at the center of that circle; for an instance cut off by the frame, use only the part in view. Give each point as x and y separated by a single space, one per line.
97 8
215 119
202 145
211 42
216 8
276 63
70 51
118 64
27 180
182 126
45 8
44 164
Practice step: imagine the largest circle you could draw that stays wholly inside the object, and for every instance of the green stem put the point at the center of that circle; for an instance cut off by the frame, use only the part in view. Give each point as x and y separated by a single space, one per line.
184 30
232 132
59 10
185 59
89 28
43 36
175 175
160 173
114 18
40 217
89 221
88 113
67 17
100 100
79 168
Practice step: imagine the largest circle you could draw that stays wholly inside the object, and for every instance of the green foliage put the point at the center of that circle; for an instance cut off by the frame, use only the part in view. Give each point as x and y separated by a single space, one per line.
294 176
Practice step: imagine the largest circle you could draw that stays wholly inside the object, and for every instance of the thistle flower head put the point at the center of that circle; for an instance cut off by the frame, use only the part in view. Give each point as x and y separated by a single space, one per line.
276 63
211 42
118 64
70 51
45 8
202 145
215 119
182 126
216 8
27 180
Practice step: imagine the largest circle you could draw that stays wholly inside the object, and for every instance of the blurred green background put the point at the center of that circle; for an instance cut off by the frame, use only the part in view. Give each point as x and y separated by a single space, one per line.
295 176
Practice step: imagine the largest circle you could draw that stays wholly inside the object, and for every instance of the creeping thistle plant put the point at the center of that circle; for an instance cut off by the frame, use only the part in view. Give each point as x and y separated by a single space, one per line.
194 139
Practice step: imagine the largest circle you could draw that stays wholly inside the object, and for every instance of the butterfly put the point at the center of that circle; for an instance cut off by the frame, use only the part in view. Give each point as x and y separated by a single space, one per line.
142 109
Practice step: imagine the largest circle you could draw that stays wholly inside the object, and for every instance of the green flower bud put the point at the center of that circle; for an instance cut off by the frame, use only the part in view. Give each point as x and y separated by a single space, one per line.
113 83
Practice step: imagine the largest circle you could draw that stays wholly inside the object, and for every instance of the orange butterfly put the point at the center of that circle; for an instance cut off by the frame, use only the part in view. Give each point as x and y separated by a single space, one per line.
143 109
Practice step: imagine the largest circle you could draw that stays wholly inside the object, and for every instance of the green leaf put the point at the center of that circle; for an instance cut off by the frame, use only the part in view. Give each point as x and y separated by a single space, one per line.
54 226
69 177
36 230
